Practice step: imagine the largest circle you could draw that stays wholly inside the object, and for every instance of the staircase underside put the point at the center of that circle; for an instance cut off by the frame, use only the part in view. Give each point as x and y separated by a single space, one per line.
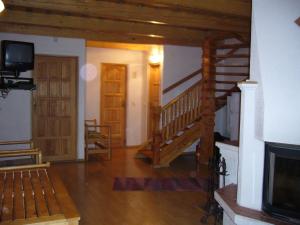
179 144
171 151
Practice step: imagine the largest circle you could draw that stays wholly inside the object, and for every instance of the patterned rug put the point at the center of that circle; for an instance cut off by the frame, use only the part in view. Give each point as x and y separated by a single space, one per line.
160 184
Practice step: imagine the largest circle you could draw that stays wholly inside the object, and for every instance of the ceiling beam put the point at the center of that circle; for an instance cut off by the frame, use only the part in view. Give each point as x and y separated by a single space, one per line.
90 35
126 46
102 25
239 8
131 12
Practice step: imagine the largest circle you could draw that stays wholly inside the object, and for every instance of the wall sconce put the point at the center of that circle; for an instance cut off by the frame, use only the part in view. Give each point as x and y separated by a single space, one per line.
155 57
2 7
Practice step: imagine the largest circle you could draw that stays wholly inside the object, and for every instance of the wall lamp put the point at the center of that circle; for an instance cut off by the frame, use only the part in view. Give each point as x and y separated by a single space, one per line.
2 7
155 57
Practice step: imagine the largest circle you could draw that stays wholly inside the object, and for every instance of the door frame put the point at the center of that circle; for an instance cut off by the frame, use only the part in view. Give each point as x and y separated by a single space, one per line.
125 97
151 69
75 153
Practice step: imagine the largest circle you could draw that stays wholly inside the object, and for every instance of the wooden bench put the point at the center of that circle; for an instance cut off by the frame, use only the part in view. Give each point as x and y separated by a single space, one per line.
31 151
97 139
34 195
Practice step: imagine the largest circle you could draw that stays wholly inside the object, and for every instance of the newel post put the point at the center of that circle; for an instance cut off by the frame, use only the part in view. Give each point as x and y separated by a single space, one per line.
156 135
207 101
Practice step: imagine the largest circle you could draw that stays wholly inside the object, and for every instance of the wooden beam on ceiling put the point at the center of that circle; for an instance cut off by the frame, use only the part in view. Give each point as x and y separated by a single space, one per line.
89 35
126 46
141 13
102 25
239 8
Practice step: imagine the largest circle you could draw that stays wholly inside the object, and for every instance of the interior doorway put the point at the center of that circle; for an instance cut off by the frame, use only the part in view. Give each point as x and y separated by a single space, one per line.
54 107
113 101
139 71
154 96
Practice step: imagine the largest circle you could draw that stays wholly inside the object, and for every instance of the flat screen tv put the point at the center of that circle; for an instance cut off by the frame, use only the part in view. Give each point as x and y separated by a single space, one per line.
17 56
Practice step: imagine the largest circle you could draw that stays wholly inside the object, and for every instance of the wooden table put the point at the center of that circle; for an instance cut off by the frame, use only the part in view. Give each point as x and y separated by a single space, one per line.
35 196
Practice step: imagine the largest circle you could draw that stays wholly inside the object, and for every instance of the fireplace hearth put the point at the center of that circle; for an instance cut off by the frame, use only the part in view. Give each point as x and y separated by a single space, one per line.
281 189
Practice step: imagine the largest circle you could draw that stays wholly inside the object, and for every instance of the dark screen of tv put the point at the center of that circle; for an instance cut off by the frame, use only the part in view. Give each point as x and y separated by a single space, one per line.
17 56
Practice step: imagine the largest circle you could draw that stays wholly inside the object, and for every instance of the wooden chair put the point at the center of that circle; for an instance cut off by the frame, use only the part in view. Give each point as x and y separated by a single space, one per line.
27 151
97 139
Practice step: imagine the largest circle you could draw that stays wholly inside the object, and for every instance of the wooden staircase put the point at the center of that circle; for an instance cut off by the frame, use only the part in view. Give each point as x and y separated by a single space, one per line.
185 119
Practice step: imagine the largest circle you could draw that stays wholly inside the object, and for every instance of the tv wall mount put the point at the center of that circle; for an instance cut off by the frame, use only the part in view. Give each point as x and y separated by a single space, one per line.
11 80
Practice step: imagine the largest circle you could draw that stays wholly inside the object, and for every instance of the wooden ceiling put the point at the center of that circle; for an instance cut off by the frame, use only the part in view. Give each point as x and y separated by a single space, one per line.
180 22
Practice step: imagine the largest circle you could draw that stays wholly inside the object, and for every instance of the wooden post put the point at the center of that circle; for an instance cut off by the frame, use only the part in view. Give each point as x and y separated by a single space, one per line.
205 151
156 136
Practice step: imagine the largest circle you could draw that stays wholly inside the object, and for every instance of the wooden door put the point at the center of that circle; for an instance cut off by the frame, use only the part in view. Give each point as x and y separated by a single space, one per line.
154 96
54 109
113 101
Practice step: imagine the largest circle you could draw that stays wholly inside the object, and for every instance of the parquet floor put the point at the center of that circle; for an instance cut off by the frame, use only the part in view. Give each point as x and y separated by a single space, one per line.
90 186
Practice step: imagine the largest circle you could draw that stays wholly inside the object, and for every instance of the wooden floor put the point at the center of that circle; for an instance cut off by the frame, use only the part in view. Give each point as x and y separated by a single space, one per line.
90 186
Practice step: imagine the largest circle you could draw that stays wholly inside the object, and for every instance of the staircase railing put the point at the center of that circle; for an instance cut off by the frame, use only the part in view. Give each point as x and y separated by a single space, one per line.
181 112
199 101
183 80
174 117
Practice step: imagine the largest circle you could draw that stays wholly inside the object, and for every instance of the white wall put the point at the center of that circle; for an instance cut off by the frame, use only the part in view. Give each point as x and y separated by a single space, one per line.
179 62
275 64
15 110
137 90
221 121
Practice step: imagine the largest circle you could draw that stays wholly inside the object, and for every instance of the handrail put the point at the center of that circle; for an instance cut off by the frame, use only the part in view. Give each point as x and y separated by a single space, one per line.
190 76
233 47
182 94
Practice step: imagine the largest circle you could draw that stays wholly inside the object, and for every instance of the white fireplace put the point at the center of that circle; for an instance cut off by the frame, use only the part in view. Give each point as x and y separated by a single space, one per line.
270 102
247 159
245 166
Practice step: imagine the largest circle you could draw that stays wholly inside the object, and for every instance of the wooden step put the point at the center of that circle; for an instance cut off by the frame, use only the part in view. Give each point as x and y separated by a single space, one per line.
226 82
144 151
236 56
179 144
221 98
232 74
225 90
230 46
232 65
143 154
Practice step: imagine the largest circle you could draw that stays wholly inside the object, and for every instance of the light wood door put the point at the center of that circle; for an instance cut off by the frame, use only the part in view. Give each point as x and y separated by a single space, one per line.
113 101
54 109
154 96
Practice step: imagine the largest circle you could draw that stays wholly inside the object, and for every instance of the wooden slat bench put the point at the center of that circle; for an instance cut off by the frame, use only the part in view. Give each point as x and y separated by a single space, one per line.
33 195
29 151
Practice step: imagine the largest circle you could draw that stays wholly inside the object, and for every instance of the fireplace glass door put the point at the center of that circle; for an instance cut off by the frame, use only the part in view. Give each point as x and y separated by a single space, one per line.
281 195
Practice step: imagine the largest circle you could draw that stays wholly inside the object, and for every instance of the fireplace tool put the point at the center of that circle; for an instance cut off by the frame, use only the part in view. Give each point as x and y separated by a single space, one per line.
222 170
217 167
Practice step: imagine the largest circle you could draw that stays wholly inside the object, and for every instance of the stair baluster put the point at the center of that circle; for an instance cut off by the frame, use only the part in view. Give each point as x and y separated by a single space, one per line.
157 139
181 112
